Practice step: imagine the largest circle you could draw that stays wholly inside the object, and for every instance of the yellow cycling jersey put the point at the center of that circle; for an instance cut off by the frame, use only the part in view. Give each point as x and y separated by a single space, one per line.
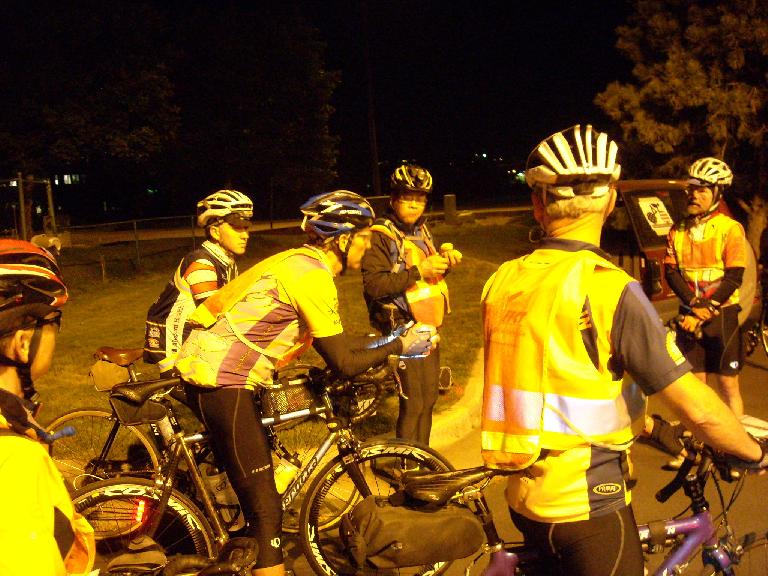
542 388
261 320
41 534
704 250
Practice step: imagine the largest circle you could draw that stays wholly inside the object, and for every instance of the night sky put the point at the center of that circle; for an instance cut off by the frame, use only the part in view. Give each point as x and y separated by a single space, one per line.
452 79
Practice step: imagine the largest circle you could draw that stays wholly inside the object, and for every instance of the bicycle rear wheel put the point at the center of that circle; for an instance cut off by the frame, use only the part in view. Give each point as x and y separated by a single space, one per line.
122 509
332 493
78 457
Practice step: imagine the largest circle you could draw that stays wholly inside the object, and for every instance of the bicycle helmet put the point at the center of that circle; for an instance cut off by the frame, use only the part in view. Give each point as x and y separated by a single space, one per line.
710 172
574 156
230 205
411 178
30 282
30 285
335 213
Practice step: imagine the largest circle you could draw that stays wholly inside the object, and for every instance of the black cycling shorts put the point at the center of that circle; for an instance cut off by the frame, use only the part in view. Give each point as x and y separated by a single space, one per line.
718 351
241 446
607 545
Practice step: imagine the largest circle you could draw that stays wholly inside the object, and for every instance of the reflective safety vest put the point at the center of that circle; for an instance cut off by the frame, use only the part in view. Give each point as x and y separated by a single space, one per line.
427 300
702 253
542 389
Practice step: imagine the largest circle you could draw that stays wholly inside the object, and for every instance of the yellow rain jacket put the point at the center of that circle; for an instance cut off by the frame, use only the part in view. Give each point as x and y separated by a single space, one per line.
41 534
542 389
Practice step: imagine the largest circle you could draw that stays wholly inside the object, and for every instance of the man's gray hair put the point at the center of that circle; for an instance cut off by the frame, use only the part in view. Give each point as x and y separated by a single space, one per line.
575 207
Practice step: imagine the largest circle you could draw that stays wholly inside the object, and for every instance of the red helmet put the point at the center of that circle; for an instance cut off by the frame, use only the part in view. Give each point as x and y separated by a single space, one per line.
30 281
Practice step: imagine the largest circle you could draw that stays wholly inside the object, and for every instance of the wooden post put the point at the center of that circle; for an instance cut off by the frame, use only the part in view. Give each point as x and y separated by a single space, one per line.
22 209
51 206
136 240
103 263
449 209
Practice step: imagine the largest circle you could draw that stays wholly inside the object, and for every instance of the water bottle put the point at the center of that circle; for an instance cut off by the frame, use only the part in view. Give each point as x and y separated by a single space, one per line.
222 491
285 472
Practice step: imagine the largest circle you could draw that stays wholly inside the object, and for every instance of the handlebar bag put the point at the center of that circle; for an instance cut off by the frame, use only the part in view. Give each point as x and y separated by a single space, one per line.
377 533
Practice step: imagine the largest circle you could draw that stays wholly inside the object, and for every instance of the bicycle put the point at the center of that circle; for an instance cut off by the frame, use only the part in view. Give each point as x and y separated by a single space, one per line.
177 509
105 446
681 537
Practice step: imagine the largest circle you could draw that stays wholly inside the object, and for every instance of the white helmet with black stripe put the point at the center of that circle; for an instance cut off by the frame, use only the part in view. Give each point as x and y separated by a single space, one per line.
230 205
571 157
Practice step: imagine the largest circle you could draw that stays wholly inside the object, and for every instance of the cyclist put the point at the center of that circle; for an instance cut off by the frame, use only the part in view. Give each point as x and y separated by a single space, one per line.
403 281
267 316
41 533
225 215
704 266
562 327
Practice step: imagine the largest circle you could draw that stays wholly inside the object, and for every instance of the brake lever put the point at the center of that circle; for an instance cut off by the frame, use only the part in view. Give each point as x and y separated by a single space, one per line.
676 483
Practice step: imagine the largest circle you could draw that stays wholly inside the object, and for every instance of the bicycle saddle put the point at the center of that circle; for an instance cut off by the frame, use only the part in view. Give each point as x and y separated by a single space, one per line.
438 487
120 356
141 392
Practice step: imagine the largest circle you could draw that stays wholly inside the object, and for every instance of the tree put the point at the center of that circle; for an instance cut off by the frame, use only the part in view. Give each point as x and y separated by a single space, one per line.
700 71
84 86
255 99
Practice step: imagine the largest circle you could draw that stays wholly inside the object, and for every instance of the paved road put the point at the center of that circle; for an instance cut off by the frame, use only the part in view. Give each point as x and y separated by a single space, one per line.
750 513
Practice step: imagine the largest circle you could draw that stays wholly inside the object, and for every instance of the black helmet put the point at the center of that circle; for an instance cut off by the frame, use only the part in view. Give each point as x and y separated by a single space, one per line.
411 178
334 213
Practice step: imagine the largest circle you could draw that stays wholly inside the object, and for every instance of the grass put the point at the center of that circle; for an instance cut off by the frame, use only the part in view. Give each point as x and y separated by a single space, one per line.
112 312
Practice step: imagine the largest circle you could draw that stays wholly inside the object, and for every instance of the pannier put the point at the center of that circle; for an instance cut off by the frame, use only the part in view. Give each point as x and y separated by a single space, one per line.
377 533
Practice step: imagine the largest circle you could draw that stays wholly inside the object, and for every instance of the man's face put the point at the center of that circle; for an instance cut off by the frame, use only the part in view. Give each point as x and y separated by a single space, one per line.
231 238
700 199
409 206
359 243
44 356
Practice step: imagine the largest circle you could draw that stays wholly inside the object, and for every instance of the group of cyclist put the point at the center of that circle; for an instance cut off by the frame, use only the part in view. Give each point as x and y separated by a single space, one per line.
562 327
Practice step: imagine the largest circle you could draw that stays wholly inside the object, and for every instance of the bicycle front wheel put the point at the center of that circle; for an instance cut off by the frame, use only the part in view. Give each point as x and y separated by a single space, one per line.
333 493
122 509
79 457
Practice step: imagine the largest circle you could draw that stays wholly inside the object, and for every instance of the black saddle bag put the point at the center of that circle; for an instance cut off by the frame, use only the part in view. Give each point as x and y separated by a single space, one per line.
386 536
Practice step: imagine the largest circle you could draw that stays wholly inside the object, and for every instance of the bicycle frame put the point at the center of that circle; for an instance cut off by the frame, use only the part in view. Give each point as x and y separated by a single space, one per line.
684 535
697 530
181 448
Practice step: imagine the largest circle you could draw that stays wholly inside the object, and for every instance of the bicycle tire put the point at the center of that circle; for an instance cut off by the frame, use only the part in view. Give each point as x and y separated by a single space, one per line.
332 494
75 456
111 507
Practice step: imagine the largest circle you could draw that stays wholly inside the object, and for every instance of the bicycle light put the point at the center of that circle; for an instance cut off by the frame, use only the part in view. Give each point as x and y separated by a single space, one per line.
138 515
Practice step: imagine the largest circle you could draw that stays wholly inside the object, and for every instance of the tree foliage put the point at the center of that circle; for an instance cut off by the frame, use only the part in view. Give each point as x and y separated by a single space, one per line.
700 71
172 99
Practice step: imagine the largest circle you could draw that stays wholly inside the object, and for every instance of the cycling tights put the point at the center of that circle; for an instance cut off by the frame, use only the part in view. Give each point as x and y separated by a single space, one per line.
240 443
607 545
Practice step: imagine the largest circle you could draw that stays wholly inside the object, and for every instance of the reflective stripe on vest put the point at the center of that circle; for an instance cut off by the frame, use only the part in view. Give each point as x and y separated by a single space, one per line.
542 390
427 299
699 254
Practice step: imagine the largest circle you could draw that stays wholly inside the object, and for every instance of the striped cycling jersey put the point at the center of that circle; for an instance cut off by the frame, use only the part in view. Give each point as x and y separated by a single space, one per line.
199 275
275 310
